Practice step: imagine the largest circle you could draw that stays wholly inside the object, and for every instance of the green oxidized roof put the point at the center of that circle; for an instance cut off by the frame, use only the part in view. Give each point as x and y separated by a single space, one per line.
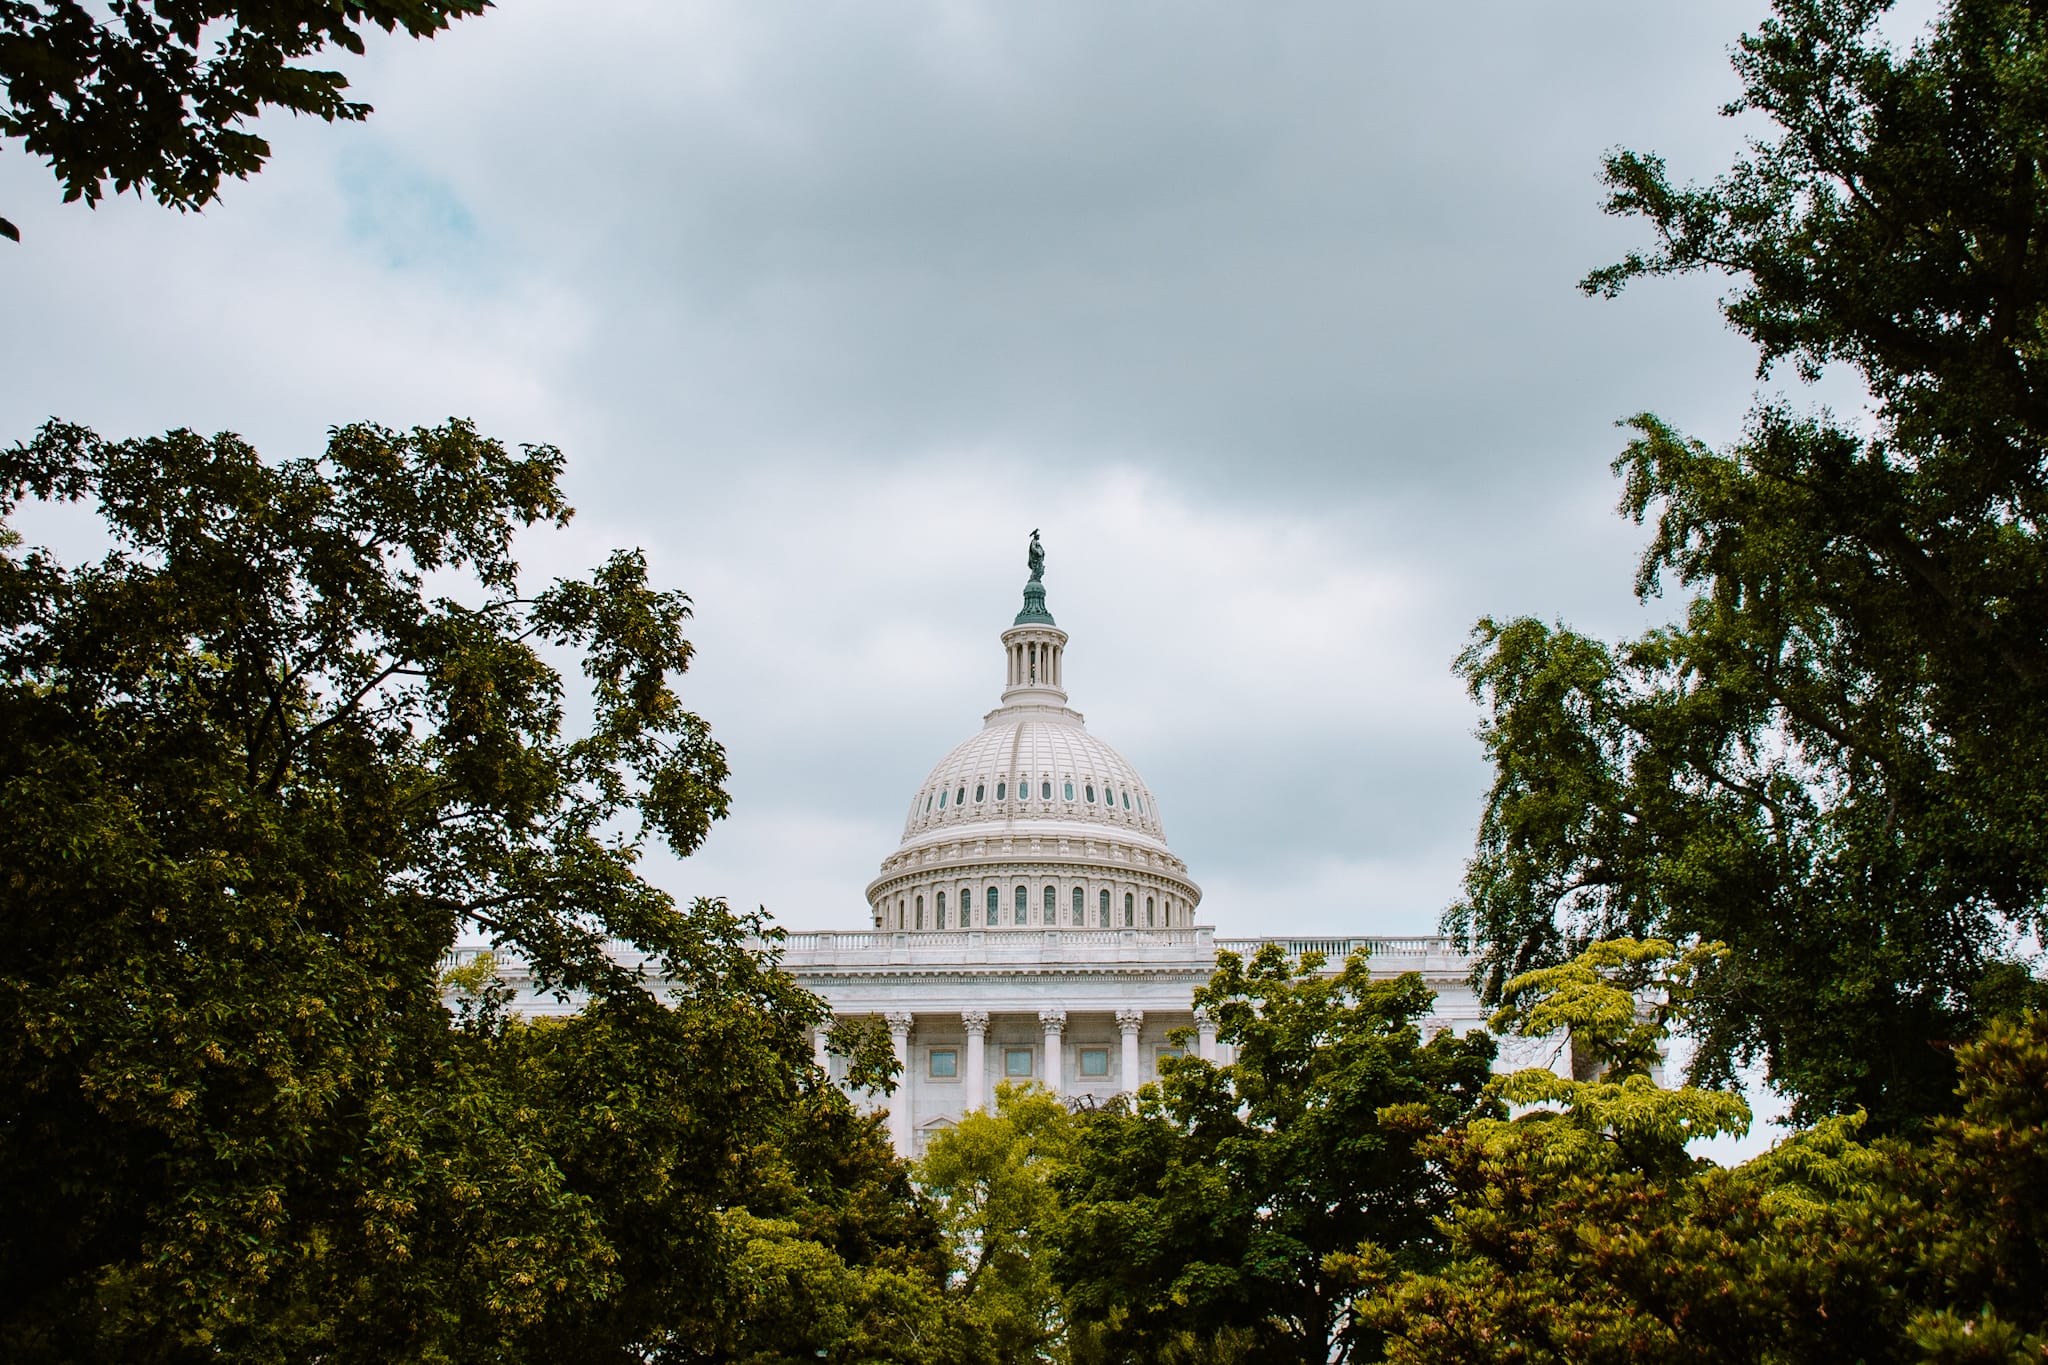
1034 613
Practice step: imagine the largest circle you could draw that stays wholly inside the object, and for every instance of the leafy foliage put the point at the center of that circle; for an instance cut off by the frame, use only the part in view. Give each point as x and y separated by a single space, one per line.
992 1177
1616 1002
257 764
155 96
1232 1211
1834 763
1826 1248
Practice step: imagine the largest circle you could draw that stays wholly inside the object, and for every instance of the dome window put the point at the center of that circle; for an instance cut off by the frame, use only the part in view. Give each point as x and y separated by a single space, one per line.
960 798
995 907
1080 910
1023 906
999 791
978 790
939 909
1141 803
918 923
1070 791
1091 792
1103 907
1127 798
1052 905
927 803
942 800
1130 911
1149 921
1045 792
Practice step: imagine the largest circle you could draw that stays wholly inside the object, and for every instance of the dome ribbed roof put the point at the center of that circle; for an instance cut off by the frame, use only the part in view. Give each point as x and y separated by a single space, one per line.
1027 769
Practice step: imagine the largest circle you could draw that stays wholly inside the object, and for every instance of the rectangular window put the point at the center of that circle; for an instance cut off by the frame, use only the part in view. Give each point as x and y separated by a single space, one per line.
945 1061
1094 1061
1017 1061
1161 1055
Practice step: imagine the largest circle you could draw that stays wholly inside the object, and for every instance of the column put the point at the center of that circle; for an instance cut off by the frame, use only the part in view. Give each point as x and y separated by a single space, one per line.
1205 1035
976 1024
818 1055
1128 1023
899 1022
1055 1021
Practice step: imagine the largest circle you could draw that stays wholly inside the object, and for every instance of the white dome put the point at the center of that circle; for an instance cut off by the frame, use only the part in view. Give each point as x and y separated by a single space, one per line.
1030 770
1032 822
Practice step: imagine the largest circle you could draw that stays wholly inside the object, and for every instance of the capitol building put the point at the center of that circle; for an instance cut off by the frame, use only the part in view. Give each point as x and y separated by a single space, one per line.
1034 924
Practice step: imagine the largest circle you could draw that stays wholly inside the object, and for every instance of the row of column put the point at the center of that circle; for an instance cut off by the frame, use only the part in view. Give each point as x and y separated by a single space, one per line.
1035 663
975 1023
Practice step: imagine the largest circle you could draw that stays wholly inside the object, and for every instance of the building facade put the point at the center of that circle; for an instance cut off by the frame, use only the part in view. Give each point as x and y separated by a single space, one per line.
1034 924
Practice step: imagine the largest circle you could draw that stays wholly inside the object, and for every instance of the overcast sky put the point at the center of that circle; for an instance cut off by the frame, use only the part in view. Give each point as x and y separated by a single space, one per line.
1265 315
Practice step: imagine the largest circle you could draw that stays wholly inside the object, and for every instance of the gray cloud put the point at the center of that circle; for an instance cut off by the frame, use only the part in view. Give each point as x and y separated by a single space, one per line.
1267 316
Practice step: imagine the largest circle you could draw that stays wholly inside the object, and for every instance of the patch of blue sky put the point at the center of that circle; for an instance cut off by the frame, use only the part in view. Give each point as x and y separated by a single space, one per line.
406 217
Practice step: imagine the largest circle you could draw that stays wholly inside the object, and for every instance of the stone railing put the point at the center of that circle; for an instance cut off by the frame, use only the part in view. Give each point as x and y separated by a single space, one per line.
1193 949
1415 953
855 949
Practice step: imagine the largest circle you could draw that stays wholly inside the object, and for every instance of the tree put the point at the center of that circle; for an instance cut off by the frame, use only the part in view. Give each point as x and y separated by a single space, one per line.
1232 1212
257 764
155 96
1834 764
992 1176
1580 1233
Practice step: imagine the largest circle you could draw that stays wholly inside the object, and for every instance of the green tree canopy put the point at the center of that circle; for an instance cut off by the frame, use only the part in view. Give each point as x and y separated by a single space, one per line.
1232 1211
1835 762
1580 1235
257 764
155 97
992 1177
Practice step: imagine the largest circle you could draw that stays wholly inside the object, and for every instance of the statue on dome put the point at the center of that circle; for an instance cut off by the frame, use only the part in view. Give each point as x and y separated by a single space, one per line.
1037 557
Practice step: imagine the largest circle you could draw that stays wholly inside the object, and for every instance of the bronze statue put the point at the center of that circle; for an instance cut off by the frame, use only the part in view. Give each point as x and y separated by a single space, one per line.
1037 557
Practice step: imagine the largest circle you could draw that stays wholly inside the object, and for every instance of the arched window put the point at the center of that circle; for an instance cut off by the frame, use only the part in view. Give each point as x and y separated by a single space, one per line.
920 913
1103 906
1045 791
1023 906
995 906
1148 912
1052 905
939 909
1070 791
979 788
1130 911
1080 910
899 912
1000 789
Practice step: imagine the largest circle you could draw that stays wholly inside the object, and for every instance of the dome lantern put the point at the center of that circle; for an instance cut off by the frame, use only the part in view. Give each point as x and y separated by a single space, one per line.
1034 645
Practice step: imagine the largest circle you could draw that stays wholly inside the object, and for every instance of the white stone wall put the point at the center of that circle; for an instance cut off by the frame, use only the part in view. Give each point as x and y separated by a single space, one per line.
1059 992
